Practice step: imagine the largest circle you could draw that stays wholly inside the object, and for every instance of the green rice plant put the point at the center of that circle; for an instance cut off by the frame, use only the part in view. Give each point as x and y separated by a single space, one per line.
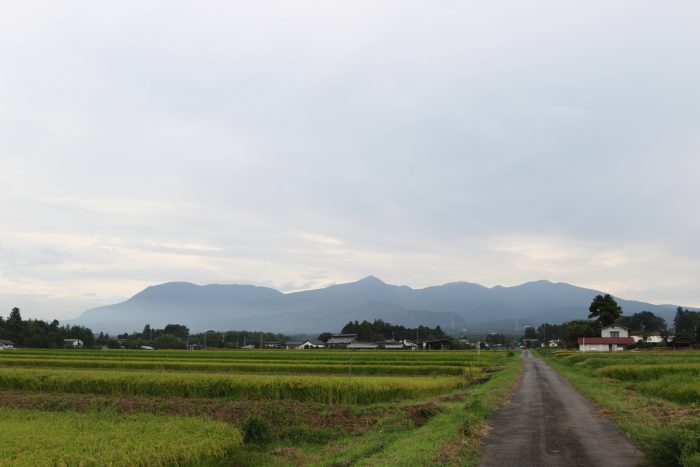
681 388
646 372
34 438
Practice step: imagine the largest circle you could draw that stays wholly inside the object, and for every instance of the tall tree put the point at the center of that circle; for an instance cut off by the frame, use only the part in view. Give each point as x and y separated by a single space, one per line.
605 310
579 328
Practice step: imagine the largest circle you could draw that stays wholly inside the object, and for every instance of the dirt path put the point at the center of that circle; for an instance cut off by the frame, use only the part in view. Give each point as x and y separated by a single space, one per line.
548 423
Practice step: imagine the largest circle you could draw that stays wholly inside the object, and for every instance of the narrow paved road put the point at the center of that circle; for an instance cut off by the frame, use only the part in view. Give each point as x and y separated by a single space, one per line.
548 423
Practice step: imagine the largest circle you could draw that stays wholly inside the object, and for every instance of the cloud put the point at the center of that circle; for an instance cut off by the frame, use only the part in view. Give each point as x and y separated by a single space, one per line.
300 145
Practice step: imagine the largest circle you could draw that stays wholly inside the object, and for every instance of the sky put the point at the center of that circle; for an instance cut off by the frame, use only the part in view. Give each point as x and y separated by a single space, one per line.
300 144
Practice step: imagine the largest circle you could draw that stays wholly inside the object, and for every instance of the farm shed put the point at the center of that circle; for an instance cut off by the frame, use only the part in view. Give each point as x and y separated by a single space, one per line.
341 341
5 344
72 343
362 346
603 344
440 344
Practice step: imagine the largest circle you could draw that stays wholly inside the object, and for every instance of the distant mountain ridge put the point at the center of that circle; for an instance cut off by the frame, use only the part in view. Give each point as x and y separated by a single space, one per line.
455 305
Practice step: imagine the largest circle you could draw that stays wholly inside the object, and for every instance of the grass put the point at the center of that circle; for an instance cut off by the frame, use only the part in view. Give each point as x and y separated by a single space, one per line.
34 438
652 396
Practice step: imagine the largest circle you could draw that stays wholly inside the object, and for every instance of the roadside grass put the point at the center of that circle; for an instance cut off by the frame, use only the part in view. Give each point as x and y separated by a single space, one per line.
660 413
35 438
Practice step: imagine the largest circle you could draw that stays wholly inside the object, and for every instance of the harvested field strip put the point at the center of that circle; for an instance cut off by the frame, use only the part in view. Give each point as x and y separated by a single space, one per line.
246 367
39 438
325 389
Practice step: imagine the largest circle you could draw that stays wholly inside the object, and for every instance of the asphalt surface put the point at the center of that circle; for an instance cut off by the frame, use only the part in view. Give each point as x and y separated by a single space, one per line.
549 423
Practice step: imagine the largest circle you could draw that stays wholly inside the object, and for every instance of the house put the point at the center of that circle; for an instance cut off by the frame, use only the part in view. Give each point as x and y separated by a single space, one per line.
554 343
340 341
194 347
613 338
6 345
72 343
614 331
274 345
146 347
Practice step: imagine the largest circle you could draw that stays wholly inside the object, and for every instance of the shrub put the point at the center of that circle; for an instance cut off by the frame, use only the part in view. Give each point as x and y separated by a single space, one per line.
256 430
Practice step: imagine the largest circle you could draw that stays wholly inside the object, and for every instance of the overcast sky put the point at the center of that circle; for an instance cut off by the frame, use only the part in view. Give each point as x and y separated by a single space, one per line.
300 144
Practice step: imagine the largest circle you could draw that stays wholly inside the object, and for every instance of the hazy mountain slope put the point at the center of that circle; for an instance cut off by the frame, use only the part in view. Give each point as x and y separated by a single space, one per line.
458 305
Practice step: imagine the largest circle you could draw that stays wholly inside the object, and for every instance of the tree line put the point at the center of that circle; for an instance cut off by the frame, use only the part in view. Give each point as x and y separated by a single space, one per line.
39 333
178 336
379 331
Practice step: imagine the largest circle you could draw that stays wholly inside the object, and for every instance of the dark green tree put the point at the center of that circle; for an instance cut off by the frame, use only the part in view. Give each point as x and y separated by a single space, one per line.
168 341
530 333
579 328
686 324
178 330
605 310
644 321
325 336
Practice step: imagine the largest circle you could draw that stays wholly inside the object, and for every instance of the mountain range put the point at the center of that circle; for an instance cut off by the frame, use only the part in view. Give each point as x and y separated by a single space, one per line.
454 306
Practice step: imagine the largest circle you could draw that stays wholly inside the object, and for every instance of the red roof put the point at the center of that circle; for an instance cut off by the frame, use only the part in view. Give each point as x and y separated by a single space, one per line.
606 340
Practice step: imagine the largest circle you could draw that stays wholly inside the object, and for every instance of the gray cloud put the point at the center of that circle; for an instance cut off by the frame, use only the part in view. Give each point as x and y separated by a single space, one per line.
301 144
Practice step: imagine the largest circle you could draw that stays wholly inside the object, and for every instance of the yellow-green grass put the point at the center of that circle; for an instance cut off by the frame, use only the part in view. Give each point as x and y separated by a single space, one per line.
38 438
309 388
660 409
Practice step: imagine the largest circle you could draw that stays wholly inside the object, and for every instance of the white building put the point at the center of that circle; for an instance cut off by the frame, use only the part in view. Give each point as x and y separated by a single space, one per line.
653 339
612 339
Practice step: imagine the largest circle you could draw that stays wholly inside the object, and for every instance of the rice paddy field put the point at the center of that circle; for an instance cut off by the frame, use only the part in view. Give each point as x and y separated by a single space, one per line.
243 407
653 395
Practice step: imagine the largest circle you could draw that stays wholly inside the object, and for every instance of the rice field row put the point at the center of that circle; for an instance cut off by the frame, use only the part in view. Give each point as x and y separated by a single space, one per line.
674 376
399 357
246 367
329 389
